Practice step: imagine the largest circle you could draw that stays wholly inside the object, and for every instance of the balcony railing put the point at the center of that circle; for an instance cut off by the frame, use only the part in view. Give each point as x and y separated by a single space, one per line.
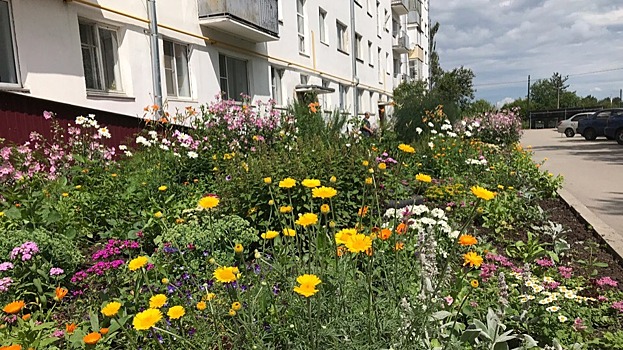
401 43
400 7
253 20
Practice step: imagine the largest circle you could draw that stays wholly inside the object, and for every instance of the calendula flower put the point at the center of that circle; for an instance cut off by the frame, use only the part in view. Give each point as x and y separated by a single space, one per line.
268 180
365 163
472 259
104 331
271 202
399 246
111 309
201 305
65 194
270 234
324 192
60 293
325 209
307 286
423 178
162 188
176 312
92 338
342 236
225 274
363 211
482 193
14 307
289 232
285 209
145 320
307 219
11 347
208 202
232 312
474 283
385 234
209 296
157 301
137 263
369 181
26 317
238 248
406 148
287 183
358 243
382 166
158 214
467 240
70 328
165 281
332 179
236 306
310 183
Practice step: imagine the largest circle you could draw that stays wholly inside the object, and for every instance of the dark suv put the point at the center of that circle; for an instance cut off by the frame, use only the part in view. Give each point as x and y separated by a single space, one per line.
594 125
614 127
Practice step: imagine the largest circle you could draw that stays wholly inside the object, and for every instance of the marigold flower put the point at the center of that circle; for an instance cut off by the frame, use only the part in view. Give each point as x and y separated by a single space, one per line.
238 248
385 234
399 246
158 214
406 148
482 193
369 181
324 192
201 305
474 283
289 232
467 240
402 228
333 179
232 312
60 293
208 202
268 180
473 259
14 307
310 183
423 178
365 163
287 183
11 347
363 211
342 236
157 301
270 234
146 319
176 312
308 285
325 209
137 263
236 306
104 331
111 309
209 296
165 281
65 194
285 209
70 328
358 243
307 219
26 317
92 338
225 274
382 166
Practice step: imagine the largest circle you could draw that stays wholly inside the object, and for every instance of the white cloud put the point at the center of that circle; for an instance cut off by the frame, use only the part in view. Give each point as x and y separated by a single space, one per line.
504 101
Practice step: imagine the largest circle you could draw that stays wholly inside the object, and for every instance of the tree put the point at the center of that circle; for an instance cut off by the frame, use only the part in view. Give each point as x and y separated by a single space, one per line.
522 105
552 93
455 87
435 68
478 107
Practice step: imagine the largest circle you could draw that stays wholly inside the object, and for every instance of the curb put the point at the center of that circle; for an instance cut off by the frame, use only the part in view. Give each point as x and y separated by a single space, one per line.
604 232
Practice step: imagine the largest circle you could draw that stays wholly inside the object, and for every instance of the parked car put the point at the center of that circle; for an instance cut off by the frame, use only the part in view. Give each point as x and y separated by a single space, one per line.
594 125
568 126
614 126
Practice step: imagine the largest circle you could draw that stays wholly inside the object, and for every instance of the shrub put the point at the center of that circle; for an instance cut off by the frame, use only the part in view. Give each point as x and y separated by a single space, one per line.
500 128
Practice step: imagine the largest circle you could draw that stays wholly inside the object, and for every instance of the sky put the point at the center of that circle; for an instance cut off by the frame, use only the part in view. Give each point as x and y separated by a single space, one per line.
504 41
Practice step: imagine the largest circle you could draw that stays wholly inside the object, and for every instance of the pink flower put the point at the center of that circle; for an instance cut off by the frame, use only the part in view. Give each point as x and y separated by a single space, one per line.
47 115
578 324
544 262
449 300
602 298
618 306
565 272
606 281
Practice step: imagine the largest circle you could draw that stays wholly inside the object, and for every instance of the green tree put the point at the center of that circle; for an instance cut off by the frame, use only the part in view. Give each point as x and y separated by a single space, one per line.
435 68
478 107
455 87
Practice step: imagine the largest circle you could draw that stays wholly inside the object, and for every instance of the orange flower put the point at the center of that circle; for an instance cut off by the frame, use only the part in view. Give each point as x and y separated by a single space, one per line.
399 246
385 234
402 228
26 317
369 251
104 331
363 211
14 307
11 347
341 250
467 240
92 338
60 293
70 328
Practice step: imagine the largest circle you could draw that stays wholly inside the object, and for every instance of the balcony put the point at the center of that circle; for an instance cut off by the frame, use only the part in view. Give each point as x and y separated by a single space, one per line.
400 7
255 21
417 53
401 43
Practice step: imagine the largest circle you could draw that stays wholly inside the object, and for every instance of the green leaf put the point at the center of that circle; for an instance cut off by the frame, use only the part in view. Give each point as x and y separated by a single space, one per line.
13 213
95 322
37 283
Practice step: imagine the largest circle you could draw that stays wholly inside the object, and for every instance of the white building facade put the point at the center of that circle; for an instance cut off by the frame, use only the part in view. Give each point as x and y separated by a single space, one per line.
97 54
418 28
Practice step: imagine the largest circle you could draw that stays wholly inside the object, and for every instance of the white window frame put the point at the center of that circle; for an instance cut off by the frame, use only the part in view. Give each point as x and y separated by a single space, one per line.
388 64
322 26
301 26
100 59
326 98
223 75
276 85
176 86
370 54
358 48
13 44
378 18
360 105
379 63
342 36
343 96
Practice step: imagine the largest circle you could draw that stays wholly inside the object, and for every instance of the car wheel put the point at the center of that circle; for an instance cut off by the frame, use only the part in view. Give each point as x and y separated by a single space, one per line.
569 132
590 134
619 136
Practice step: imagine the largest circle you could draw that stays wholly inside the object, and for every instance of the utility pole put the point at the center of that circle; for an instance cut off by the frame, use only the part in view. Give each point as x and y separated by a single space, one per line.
155 55
528 106
620 97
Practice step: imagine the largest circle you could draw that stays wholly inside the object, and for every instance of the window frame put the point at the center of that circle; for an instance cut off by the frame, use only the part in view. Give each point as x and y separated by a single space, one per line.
342 36
300 16
185 47
96 26
12 37
370 54
276 84
227 78
322 26
358 48
343 96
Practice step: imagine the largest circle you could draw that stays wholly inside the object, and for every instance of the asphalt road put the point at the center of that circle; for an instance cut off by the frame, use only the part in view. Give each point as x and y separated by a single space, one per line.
593 170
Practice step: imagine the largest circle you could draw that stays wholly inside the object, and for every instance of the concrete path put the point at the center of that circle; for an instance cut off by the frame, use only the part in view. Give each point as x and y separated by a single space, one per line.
593 170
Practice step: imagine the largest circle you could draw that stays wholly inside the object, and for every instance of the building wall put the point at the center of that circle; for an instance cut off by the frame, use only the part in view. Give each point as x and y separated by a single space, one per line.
47 40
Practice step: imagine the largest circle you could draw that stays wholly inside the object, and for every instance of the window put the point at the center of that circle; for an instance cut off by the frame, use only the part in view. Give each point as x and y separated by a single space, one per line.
358 48
395 27
233 77
397 70
8 69
304 79
300 23
360 105
275 85
176 69
322 25
370 54
378 18
342 37
326 98
99 57
413 71
378 64
343 92
388 63
386 21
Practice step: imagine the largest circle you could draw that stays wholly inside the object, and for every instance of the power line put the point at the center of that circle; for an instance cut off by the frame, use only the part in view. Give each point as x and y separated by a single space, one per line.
569 75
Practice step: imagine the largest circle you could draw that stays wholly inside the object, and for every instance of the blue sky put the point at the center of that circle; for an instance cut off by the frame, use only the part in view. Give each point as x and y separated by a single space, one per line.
503 41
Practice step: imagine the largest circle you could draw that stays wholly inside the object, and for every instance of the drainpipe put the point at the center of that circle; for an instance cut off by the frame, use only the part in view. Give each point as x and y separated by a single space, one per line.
155 54
354 57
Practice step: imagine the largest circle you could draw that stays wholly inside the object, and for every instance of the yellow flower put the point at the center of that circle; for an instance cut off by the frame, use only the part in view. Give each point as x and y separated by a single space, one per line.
333 179
399 246
482 193
201 305
307 219
287 183
232 312
236 306
325 209
162 188
92 338
289 232
310 183
176 312
474 283
65 194
1 213
270 234
324 192
226 274
208 202
113 175
358 243
158 214
423 178
268 180
500 187
271 202
146 319
365 163
369 181
371 171
209 296
137 263
14 307
238 248
473 259
285 209
157 301
382 166
342 236
467 240
165 281
111 309
308 285
406 148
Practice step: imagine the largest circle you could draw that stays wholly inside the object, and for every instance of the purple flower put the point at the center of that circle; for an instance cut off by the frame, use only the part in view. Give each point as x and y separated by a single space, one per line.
5 266
59 333
5 283
606 281
55 271
47 115
544 262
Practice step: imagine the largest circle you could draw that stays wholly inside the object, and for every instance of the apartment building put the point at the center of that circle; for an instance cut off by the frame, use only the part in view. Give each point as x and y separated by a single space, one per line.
418 29
98 53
